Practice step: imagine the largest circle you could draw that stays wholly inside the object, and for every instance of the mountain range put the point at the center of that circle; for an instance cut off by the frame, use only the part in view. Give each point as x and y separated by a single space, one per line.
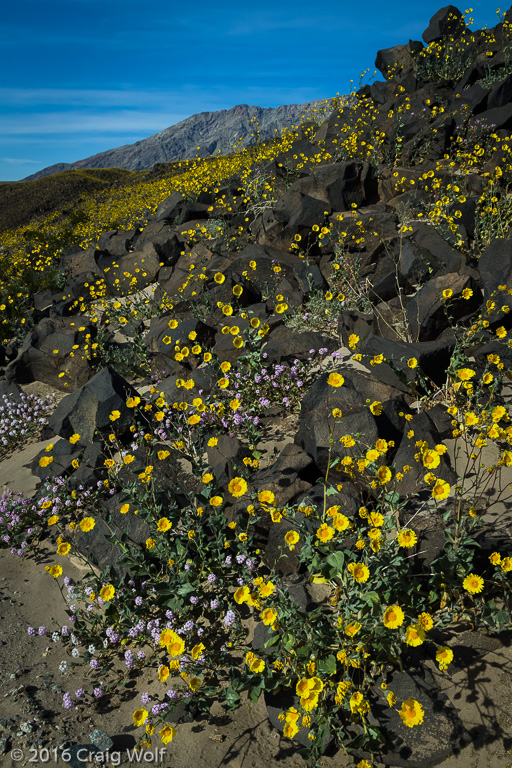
201 135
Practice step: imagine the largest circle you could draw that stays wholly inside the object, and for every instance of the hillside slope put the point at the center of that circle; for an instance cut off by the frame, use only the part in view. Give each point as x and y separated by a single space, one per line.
213 132
277 441
21 202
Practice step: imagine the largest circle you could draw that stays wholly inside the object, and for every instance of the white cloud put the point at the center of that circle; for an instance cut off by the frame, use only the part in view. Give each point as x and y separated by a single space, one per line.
45 113
179 100
19 160
74 97
77 122
99 141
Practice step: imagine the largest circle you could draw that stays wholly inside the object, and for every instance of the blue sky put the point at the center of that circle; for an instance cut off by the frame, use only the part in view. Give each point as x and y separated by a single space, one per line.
83 76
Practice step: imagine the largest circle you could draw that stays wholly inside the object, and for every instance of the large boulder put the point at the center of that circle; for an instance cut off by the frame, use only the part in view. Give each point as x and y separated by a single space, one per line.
49 354
170 208
501 94
166 243
285 345
77 260
87 410
189 332
440 733
300 211
271 272
62 454
353 398
225 456
397 64
288 476
433 358
420 427
495 268
280 701
116 243
429 313
347 183
134 271
448 21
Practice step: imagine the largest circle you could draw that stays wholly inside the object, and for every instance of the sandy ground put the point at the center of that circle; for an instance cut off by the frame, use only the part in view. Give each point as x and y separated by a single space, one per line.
31 687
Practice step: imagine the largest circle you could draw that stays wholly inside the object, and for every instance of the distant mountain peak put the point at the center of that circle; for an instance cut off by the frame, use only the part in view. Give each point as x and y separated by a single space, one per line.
213 132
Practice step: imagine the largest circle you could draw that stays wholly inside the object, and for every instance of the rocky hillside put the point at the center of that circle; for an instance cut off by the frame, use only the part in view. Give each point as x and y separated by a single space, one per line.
213 132
283 441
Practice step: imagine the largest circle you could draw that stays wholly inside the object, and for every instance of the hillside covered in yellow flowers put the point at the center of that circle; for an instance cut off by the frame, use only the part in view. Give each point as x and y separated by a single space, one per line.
260 404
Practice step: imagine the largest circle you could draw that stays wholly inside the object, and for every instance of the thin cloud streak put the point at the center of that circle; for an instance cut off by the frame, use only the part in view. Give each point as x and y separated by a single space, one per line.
19 160
76 123
182 99
103 142
79 96
67 123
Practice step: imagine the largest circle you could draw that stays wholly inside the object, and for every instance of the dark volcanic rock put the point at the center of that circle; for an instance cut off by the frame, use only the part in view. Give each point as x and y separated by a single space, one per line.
88 409
280 701
169 209
130 273
352 399
495 267
396 63
225 457
285 345
159 330
433 358
347 183
440 733
286 476
447 21
76 261
46 354
95 544
428 313
296 209
63 453
294 280
116 242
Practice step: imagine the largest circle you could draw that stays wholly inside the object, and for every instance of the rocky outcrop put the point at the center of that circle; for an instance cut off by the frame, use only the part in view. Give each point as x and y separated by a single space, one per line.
418 284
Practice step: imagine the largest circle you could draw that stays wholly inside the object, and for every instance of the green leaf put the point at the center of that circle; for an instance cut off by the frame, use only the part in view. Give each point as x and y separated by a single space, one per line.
289 642
180 548
502 618
358 741
375 738
174 604
255 693
232 699
331 491
336 560
371 598
163 590
327 666
185 589
305 553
